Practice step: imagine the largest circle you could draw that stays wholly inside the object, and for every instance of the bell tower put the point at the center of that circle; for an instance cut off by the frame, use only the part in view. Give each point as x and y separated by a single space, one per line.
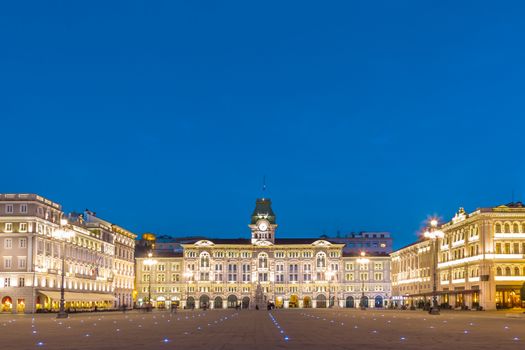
263 223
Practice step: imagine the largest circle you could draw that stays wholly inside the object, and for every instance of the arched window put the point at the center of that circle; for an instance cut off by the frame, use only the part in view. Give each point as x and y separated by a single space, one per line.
498 271
321 260
205 259
523 227
507 227
263 261
497 228
517 271
507 271
515 228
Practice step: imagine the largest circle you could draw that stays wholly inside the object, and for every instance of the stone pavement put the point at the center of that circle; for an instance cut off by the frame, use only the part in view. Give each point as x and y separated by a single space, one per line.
280 329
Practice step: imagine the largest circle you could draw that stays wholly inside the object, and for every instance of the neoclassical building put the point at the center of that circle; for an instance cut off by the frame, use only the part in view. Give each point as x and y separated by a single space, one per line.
34 250
479 261
481 258
245 272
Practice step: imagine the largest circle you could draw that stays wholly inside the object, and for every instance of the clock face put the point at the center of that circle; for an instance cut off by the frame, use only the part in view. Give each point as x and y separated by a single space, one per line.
263 226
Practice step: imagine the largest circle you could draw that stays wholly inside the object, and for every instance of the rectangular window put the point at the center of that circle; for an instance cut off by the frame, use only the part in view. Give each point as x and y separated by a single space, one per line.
8 227
23 227
22 262
8 243
232 273
7 282
9 209
7 262
246 272
23 208
21 282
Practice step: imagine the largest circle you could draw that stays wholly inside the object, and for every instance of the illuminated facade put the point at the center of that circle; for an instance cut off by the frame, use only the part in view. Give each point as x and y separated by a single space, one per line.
31 257
480 261
123 259
412 274
482 257
290 272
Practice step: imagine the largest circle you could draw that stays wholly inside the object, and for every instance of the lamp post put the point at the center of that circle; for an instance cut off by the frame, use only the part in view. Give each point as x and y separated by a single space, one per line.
434 234
63 234
188 275
150 262
363 261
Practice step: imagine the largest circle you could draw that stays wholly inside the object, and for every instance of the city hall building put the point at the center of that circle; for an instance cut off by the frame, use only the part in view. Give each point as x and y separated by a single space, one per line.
251 272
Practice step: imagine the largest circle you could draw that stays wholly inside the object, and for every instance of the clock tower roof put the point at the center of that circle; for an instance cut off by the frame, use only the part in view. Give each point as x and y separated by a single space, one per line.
263 209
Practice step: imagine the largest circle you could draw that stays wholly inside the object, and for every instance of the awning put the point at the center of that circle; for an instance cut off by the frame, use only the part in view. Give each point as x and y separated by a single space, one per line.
74 296
429 294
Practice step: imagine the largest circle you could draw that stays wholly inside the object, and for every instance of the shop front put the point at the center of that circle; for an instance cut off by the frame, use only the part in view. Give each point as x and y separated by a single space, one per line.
508 296
49 301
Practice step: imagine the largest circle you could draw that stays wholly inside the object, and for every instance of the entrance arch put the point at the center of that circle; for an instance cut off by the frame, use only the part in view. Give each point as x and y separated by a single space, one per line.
320 301
378 301
307 302
217 303
204 301
294 301
245 302
232 301
7 304
190 303
350 301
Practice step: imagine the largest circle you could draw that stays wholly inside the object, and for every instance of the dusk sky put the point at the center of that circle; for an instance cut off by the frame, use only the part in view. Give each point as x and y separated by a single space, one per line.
363 115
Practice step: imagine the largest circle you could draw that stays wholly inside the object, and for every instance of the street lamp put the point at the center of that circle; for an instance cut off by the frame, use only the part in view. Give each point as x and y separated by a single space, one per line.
363 261
150 262
434 234
188 275
63 234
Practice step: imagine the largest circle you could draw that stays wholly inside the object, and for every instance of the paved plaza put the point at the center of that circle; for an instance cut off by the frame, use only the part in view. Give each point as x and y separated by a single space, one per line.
279 329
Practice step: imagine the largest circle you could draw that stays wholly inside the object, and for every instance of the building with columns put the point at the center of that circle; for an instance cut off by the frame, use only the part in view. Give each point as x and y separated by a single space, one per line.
249 272
32 254
479 261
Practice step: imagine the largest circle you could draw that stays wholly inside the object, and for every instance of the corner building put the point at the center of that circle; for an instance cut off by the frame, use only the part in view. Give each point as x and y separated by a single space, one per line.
32 258
481 259
480 262
290 272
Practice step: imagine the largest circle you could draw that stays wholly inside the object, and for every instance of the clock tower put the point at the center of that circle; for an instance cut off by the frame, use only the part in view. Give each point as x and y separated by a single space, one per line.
263 222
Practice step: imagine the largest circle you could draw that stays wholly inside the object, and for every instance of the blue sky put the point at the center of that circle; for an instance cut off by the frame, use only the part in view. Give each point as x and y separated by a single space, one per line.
363 115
